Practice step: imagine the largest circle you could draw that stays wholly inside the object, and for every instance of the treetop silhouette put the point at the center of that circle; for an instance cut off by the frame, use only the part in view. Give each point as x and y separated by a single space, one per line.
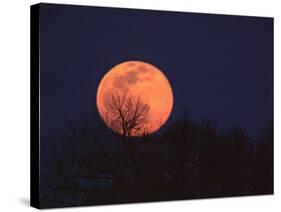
127 115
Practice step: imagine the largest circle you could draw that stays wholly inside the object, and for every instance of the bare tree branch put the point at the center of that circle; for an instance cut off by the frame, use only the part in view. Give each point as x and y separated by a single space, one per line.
127 115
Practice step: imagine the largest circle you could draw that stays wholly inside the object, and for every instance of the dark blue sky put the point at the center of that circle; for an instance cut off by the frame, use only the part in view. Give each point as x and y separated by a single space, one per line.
220 67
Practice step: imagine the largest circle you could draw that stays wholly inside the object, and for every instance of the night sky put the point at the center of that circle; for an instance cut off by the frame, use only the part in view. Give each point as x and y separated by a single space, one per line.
220 67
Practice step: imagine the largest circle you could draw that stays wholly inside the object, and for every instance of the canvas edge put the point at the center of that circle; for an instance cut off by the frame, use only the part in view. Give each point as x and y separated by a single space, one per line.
137 9
34 107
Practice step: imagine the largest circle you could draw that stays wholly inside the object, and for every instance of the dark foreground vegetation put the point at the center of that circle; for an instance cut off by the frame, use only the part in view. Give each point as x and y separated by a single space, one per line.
92 165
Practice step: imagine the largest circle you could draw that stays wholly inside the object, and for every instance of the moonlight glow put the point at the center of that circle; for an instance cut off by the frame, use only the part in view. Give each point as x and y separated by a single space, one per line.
134 98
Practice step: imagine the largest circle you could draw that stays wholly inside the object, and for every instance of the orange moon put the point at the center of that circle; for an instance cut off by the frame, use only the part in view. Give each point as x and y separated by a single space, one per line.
141 80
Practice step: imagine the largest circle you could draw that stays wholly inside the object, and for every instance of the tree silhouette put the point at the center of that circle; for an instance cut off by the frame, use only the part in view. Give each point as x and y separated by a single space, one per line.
189 159
127 115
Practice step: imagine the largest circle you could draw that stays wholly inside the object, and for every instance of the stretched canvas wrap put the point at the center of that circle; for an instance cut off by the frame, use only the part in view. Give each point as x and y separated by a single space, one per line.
131 105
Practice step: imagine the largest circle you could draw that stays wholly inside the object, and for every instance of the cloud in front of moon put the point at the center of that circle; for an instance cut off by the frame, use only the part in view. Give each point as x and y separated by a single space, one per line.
137 79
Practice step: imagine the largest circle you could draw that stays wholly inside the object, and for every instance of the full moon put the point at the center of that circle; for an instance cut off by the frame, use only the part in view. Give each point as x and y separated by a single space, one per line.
134 98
